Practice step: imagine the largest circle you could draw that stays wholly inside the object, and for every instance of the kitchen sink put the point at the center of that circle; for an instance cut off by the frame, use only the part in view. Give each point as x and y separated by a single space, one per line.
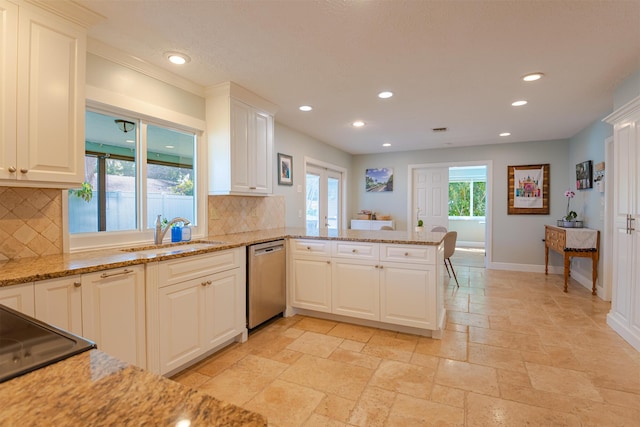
176 248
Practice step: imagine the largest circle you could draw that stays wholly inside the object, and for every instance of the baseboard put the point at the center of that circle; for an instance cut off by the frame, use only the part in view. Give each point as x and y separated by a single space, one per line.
528 268
463 244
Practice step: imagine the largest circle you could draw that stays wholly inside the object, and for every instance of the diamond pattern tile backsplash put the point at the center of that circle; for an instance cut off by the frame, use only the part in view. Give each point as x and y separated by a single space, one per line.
236 214
30 222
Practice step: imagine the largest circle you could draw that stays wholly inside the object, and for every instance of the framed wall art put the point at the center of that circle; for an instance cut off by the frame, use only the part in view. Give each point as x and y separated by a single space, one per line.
528 188
285 169
584 175
378 180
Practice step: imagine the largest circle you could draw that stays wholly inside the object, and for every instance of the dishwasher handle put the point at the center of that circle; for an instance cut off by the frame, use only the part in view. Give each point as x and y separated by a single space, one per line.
269 250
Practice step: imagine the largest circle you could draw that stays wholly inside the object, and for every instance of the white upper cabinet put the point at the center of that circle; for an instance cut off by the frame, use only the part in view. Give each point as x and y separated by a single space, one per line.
42 108
240 131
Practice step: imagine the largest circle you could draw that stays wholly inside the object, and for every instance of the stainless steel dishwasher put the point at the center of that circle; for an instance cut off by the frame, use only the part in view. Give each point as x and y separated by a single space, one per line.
266 281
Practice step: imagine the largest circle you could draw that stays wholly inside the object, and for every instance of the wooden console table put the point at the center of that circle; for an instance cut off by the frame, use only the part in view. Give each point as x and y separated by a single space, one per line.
555 238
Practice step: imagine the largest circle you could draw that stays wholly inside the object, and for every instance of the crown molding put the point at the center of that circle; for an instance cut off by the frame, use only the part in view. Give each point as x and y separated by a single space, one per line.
127 60
70 10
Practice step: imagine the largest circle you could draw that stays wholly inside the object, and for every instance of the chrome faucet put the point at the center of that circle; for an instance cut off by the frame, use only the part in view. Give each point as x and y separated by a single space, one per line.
159 232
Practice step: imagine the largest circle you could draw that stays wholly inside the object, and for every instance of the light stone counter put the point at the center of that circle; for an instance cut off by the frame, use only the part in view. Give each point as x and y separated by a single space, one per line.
94 389
51 266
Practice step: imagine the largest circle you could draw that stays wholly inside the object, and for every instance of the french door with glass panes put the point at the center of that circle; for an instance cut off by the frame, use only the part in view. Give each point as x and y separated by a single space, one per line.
323 187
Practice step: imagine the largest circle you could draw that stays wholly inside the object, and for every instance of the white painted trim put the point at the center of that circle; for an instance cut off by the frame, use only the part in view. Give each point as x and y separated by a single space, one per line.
606 279
463 244
621 327
124 59
343 171
527 268
630 107
489 214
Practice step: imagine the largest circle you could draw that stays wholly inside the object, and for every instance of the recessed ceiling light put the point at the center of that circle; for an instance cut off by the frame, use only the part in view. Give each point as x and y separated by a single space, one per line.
306 108
177 58
532 77
358 123
519 103
505 134
169 146
386 144
385 94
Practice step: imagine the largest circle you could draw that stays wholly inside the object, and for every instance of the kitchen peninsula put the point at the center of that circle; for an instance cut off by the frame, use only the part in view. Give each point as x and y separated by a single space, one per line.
103 380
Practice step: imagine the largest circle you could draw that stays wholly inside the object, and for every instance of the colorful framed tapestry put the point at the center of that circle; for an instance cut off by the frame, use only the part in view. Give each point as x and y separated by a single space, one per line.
528 188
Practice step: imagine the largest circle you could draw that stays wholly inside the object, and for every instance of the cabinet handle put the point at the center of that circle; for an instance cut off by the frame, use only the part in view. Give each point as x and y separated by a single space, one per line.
328 262
23 170
406 254
77 284
377 266
308 248
209 282
12 169
381 267
354 250
631 229
125 271
253 188
203 284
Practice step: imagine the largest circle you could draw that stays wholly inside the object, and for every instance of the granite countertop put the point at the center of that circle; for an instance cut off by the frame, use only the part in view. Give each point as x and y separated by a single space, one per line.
93 388
26 270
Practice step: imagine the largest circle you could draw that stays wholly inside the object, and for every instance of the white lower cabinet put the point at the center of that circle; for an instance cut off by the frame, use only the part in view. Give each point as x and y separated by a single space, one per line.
389 283
355 288
194 305
18 297
113 312
58 302
407 295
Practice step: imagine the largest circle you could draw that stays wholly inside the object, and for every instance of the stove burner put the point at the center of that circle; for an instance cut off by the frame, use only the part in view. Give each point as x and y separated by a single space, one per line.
27 344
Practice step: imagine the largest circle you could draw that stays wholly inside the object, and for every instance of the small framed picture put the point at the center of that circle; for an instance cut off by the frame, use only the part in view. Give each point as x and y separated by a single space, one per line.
584 175
285 169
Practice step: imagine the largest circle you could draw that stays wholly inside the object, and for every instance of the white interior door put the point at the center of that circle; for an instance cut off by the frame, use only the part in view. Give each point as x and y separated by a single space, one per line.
323 203
431 197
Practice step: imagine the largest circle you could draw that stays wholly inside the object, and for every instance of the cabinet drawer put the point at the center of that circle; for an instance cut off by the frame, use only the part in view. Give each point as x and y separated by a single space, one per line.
310 247
359 250
181 269
555 239
408 253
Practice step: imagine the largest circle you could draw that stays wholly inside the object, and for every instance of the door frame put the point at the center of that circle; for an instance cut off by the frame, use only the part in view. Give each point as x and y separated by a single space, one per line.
607 239
488 236
343 189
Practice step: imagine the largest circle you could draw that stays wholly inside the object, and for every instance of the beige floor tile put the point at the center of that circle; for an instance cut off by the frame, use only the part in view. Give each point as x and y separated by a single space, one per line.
496 357
285 404
245 379
490 411
453 345
386 352
510 340
354 358
315 344
396 342
316 420
315 325
467 376
411 411
426 360
352 345
335 407
620 398
329 376
373 407
352 332
457 328
191 378
403 378
221 361
562 381
448 396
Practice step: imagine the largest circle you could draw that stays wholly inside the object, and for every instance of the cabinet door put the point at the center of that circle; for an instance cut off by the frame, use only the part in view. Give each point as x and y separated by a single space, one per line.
59 303
241 121
51 79
311 283
113 312
181 323
408 294
355 288
224 307
262 152
8 55
18 297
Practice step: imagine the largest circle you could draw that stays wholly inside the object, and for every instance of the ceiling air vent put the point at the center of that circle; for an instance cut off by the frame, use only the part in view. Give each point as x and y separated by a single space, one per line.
439 129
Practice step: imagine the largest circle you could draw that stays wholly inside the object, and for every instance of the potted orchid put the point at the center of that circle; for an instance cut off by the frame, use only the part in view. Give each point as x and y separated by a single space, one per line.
570 219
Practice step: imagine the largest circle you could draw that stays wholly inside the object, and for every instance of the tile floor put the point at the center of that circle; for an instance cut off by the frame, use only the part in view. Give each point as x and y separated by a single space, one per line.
516 351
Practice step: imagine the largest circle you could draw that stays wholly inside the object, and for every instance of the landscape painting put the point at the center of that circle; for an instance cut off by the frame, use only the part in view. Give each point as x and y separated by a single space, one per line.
378 180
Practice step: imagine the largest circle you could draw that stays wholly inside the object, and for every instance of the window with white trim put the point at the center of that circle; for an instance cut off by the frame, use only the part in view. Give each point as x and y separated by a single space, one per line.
467 192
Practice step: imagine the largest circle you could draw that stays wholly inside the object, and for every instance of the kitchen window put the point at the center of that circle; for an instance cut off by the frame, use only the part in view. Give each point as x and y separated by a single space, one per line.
135 169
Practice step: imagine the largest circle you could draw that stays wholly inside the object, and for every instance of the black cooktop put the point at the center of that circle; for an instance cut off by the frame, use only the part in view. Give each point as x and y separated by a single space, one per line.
27 344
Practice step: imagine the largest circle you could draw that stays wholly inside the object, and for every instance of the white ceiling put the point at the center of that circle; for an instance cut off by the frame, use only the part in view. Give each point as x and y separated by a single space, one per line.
454 64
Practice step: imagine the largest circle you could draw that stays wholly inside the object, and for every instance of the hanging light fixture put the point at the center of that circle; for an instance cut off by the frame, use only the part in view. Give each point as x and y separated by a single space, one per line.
125 125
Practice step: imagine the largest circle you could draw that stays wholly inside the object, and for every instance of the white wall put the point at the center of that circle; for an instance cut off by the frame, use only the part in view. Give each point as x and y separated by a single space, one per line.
517 239
293 143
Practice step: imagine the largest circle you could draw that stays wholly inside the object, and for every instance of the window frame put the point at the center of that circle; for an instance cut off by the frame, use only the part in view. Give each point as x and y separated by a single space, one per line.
470 217
144 233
